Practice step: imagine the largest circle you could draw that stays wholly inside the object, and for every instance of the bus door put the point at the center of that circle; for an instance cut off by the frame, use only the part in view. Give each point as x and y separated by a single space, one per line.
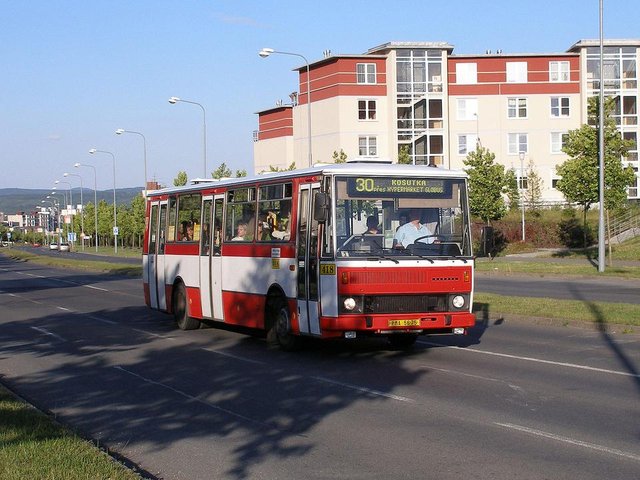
307 258
155 257
210 261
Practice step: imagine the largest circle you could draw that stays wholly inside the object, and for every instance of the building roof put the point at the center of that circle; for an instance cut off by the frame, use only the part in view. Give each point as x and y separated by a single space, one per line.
410 45
609 42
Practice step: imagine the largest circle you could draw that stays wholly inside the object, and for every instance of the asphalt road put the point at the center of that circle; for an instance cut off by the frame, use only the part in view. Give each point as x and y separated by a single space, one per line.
510 400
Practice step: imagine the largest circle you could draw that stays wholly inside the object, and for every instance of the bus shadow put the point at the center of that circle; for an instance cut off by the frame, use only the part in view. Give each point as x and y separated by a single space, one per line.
127 379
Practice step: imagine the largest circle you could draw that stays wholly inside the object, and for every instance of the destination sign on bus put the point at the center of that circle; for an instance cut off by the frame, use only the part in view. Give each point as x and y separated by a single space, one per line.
399 187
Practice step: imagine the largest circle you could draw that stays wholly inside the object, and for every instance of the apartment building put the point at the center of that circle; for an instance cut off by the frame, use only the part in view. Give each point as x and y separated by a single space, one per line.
421 98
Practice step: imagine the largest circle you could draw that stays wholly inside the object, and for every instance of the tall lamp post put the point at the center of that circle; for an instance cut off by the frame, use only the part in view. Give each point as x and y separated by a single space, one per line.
522 190
95 200
56 204
173 101
66 174
601 147
66 205
120 131
264 53
115 219
50 220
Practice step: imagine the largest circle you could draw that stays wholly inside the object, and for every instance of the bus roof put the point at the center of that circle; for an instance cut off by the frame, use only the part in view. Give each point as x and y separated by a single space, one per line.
348 168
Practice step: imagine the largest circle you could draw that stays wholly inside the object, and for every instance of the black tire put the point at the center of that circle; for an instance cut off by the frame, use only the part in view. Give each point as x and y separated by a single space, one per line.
279 332
403 341
180 310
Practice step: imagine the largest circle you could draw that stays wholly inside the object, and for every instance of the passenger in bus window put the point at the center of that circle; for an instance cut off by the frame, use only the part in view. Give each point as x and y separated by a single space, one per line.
183 234
241 232
264 228
372 225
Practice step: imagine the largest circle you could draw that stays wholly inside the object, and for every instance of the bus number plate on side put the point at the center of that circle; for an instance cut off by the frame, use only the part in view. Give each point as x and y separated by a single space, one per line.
328 269
404 323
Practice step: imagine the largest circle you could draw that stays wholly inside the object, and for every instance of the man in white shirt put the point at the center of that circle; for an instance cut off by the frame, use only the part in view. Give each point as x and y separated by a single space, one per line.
412 230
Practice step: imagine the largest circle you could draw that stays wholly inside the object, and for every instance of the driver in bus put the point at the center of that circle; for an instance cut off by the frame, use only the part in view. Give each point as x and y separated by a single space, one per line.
411 231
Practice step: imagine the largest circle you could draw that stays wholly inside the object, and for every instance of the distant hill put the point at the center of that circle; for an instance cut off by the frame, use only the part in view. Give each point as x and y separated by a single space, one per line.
14 200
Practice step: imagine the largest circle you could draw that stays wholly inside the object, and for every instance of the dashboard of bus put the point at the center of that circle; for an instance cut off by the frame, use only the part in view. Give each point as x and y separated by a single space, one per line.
394 217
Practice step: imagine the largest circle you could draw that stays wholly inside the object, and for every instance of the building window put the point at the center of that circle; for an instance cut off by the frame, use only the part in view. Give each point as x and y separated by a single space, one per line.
366 73
558 140
559 106
517 108
517 72
366 109
466 73
517 142
466 143
367 146
558 71
467 108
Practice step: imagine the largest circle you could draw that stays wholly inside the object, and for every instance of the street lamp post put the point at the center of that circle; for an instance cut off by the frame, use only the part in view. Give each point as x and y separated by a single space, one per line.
173 101
264 53
66 206
66 174
120 131
115 219
50 220
601 147
95 200
522 190
56 203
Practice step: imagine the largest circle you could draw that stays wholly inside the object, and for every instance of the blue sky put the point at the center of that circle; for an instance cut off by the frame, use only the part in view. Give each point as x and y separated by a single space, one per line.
74 71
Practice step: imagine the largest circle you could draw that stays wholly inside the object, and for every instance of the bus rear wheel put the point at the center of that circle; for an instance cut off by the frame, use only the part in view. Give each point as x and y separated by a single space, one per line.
279 332
180 310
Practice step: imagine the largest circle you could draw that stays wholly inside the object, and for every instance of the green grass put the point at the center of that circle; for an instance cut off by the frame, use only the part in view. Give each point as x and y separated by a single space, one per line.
97 265
506 267
33 446
599 313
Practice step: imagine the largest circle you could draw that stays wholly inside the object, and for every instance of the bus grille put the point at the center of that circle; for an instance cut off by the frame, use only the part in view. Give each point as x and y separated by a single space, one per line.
405 303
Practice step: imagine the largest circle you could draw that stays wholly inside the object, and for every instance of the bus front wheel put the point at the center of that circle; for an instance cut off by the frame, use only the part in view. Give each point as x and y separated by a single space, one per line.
180 310
280 332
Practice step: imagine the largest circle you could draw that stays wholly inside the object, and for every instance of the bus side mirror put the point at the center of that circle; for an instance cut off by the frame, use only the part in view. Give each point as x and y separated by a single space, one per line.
321 204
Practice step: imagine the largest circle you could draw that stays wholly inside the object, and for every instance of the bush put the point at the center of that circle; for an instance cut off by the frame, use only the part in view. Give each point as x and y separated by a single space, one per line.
573 234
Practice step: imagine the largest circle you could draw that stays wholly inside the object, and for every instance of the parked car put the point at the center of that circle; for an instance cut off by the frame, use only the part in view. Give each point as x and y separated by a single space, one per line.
53 246
64 247
36 245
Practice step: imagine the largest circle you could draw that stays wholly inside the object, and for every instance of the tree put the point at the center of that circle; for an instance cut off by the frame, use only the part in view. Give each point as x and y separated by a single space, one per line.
579 181
278 169
221 172
533 192
181 179
512 190
487 183
339 157
241 173
404 156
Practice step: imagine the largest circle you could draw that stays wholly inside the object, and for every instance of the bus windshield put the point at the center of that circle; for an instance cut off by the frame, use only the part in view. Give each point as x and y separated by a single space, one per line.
394 217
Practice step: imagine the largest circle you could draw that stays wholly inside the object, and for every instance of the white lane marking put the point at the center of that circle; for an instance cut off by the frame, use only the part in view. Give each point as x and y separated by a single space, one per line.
235 357
64 309
96 288
366 390
537 360
99 319
560 438
47 332
189 397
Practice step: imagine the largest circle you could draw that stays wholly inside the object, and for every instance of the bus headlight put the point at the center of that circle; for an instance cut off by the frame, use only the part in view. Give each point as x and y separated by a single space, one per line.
349 303
457 301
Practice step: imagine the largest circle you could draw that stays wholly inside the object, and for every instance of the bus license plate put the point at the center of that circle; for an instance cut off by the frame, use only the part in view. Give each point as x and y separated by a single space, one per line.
404 323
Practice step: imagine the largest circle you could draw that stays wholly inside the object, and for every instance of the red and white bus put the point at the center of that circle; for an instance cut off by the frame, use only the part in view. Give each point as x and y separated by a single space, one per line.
315 252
